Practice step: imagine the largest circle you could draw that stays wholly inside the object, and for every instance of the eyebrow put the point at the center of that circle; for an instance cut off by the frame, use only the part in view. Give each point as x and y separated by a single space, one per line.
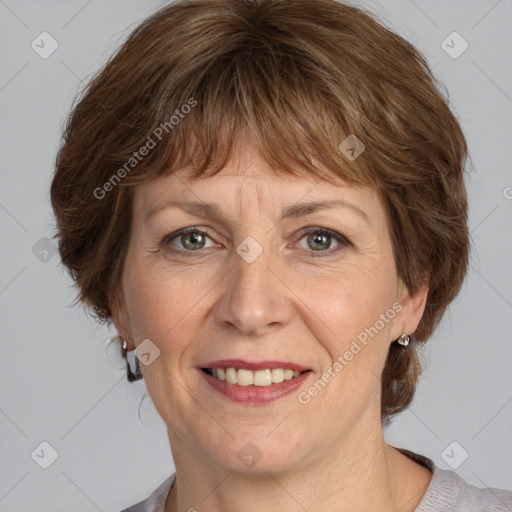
293 211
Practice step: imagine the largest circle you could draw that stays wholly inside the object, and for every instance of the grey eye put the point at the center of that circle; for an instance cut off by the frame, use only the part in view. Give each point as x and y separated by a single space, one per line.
189 239
193 240
320 240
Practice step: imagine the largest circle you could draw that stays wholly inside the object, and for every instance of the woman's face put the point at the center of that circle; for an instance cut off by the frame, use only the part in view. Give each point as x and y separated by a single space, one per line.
252 285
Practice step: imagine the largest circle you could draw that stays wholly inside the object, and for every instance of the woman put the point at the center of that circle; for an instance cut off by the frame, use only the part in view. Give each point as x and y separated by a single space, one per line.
267 200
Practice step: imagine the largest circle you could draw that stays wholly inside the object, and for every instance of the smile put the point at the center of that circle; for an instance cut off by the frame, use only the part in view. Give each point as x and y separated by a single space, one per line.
244 377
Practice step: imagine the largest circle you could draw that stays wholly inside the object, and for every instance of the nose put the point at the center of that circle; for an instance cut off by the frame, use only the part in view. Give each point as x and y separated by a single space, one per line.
254 298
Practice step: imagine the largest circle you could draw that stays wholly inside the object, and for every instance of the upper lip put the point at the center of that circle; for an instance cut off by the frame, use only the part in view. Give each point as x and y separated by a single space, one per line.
254 365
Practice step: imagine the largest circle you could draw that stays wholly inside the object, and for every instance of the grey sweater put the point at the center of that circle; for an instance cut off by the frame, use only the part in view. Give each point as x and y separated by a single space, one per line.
447 492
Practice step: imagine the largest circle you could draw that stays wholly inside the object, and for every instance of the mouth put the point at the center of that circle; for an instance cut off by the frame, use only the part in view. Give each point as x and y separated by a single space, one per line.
253 383
254 386
245 377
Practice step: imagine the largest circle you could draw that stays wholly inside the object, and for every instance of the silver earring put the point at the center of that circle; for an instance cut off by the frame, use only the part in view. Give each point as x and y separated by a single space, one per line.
403 340
131 377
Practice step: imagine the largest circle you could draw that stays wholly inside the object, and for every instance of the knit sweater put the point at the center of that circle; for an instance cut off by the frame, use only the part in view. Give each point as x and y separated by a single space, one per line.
447 492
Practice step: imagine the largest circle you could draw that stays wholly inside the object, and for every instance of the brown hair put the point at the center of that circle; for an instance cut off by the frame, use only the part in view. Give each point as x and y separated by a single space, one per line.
301 76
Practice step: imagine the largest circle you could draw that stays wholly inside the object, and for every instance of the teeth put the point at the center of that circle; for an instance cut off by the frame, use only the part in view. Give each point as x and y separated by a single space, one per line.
244 377
277 375
231 375
262 378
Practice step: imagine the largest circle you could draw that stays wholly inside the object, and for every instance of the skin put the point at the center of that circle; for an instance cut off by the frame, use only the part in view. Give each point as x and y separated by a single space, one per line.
208 304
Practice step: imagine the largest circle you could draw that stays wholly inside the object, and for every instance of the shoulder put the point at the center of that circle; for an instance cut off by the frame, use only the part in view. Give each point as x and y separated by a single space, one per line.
155 502
448 492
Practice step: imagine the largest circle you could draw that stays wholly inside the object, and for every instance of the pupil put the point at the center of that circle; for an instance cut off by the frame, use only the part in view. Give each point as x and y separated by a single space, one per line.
195 238
320 239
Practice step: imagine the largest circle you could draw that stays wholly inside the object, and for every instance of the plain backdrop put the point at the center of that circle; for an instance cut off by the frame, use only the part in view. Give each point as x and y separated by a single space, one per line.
60 387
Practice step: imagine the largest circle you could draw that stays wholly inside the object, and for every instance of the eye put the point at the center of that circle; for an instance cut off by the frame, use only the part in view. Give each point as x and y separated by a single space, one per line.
320 240
191 239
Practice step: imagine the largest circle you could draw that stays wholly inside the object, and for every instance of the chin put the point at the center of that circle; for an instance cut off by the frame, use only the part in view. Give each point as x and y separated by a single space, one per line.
253 453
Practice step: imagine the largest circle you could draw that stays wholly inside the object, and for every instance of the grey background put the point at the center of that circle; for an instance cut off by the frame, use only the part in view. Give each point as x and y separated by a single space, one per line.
59 384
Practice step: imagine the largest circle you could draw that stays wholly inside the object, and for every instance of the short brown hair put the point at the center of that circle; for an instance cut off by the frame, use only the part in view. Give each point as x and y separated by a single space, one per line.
301 76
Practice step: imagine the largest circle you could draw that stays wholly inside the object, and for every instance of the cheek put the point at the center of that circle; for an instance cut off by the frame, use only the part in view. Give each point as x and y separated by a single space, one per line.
163 305
356 337
353 299
356 340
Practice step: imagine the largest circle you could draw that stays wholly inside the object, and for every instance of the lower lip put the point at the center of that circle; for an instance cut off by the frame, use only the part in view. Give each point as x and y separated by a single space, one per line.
255 394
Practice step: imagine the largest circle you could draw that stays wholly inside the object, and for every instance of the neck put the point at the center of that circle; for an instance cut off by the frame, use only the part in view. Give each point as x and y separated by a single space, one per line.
362 473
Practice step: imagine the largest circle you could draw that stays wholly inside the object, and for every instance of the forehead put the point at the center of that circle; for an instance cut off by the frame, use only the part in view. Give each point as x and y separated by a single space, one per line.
254 191
246 179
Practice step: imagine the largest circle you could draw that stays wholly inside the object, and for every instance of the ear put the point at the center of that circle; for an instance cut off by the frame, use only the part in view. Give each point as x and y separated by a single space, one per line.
413 307
121 318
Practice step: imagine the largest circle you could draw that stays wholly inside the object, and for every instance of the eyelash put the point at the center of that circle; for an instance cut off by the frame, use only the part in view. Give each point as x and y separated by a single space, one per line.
342 240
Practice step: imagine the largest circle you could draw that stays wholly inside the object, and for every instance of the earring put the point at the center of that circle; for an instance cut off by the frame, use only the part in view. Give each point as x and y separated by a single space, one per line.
129 374
403 340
